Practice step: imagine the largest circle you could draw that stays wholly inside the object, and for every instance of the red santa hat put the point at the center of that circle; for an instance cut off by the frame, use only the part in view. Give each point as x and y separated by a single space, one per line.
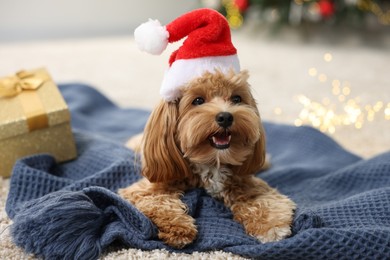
208 47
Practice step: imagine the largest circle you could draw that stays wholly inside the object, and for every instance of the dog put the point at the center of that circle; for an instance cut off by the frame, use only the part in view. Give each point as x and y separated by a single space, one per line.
211 138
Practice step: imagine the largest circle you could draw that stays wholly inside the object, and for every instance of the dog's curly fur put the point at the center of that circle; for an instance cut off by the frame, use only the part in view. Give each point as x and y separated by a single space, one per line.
189 143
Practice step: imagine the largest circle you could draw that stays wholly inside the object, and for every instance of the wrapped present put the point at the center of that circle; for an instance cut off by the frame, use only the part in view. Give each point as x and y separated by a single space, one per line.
34 118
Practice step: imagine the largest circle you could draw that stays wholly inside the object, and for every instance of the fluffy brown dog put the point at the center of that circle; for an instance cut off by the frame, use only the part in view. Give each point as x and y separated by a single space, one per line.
212 138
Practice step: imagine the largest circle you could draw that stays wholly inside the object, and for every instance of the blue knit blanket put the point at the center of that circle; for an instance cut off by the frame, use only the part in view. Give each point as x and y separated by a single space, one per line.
71 210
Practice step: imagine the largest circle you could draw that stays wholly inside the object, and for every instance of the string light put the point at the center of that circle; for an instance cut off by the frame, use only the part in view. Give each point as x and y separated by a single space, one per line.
328 115
370 6
322 77
313 72
233 14
328 57
340 109
387 112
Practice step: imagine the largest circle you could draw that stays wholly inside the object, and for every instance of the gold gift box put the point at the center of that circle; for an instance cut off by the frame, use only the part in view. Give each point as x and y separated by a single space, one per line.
34 119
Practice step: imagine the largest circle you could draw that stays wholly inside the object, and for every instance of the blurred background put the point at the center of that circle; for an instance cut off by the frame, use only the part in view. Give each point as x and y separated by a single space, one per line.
23 20
323 63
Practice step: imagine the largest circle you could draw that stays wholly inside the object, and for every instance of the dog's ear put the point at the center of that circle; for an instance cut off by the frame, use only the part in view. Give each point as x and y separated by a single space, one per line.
162 159
256 160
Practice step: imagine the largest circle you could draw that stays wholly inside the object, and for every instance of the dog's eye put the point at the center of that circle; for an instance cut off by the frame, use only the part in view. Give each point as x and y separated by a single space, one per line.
236 99
198 101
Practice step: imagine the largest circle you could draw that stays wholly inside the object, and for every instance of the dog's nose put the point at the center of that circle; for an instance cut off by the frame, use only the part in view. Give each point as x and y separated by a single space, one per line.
224 119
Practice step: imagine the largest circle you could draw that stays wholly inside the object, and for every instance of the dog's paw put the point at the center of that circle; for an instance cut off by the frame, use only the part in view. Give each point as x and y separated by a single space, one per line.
274 234
267 218
178 236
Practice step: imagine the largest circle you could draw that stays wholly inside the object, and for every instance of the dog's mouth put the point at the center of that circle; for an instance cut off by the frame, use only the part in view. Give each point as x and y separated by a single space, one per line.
221 140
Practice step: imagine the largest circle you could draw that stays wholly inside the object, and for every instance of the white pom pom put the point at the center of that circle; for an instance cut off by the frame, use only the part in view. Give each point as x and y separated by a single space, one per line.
151 37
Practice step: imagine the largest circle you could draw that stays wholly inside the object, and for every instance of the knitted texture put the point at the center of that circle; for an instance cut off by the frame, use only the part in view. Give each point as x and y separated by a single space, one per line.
71 211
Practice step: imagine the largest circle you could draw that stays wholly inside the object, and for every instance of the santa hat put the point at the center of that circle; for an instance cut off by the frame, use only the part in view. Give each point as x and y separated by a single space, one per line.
208 47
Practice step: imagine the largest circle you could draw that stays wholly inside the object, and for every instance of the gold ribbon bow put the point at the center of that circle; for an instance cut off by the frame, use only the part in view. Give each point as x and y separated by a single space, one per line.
24 85
23 80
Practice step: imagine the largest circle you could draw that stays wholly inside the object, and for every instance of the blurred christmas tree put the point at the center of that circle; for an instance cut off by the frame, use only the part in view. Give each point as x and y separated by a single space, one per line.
352 13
